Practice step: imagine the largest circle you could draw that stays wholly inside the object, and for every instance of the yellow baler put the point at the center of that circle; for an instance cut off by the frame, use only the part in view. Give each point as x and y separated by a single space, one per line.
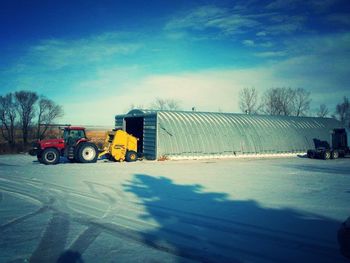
120 146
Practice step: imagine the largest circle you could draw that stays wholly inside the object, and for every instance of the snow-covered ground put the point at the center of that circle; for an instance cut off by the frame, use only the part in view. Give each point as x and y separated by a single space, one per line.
240 210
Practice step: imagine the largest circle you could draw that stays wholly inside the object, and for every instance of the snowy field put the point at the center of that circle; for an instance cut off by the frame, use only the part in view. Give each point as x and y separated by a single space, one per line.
240 210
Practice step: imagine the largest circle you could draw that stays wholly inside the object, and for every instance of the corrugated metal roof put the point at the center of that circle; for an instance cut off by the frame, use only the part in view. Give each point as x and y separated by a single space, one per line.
191 134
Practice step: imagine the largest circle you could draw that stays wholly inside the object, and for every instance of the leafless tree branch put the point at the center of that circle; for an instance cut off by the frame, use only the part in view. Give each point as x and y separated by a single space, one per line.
248 101
25 101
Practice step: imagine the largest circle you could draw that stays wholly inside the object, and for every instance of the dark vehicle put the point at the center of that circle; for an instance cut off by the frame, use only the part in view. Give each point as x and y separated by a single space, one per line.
324 151
74 145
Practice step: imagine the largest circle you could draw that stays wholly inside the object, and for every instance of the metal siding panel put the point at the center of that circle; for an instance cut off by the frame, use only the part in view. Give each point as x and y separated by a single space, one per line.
217 135
210 134
177 141
149 136
184 134
239 129
180 136
192 147
232 134
164 143
202 132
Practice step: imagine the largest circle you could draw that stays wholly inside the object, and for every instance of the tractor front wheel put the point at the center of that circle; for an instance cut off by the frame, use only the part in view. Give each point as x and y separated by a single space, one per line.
50 156
131 156
87 153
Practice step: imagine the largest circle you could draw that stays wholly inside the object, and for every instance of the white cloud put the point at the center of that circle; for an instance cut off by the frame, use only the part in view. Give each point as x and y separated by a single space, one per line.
267 44
261 34
248 43
225 20
216 22
54 54
271 54
285 24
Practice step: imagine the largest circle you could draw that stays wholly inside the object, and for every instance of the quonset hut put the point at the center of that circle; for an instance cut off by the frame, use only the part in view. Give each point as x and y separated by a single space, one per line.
184 135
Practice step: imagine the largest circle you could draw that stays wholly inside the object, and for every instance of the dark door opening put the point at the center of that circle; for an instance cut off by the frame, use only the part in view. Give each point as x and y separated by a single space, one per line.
134 126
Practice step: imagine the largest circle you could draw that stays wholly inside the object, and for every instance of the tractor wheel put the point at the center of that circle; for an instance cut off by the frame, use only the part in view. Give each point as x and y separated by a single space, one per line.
50 156
87 153
335 155
131 156
326 155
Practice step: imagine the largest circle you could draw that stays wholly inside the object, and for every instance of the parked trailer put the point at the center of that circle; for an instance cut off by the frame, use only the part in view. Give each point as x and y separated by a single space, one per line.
339 148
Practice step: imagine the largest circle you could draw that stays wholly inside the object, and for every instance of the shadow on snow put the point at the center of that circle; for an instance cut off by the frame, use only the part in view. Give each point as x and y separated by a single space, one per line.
210 227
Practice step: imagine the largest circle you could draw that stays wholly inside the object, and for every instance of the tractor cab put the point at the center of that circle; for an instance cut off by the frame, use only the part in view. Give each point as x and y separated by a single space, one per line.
72 134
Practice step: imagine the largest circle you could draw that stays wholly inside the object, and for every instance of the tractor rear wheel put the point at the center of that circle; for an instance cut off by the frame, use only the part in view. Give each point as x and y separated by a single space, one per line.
50 156
87 153
131 156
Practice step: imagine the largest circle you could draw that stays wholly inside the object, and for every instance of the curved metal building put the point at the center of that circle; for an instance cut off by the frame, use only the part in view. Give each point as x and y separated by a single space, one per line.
180 134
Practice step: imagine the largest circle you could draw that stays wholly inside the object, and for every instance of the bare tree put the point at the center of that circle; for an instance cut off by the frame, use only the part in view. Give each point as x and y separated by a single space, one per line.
48 111
278 101
159 104
343 112
173 105
269 104
322 111
248 100
8 117
286 101
25 101
166 104
301 102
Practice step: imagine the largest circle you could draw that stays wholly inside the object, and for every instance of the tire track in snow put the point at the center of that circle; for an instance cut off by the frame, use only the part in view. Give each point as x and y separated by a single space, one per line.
155 242
53 241
88 236
37 199
20 219
85 239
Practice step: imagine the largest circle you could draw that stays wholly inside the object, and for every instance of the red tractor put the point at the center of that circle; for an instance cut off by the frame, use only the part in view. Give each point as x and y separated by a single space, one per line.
74 146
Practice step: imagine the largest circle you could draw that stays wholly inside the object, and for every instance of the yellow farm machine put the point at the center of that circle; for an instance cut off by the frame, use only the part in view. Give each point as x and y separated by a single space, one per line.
120 146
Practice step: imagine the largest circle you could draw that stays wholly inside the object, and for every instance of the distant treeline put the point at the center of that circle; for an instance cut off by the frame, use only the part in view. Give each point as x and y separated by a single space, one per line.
289 102
25 116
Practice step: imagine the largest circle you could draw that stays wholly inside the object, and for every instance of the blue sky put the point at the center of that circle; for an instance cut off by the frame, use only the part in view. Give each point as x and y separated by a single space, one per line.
96 58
